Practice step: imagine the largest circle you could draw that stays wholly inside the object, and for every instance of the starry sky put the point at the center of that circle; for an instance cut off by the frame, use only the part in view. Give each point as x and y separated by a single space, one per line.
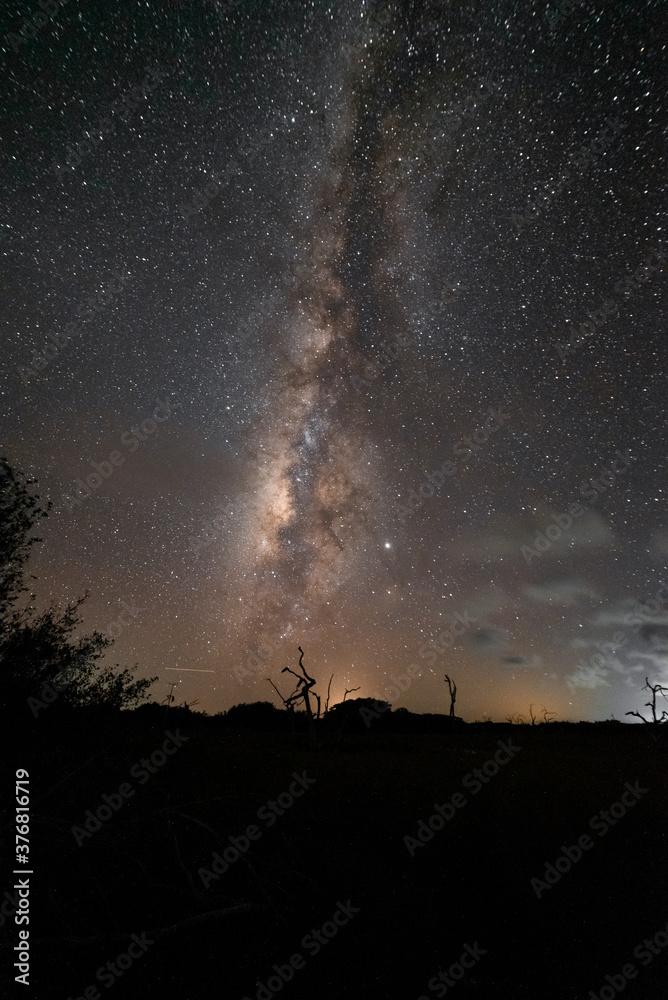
343 325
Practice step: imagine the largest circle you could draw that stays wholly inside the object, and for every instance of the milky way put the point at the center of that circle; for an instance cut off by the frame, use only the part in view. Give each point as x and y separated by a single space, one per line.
316 470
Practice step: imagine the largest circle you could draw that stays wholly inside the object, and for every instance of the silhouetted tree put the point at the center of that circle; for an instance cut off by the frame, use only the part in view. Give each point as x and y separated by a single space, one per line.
452 688
329 688
359 714
304 685
254 715
303 693
40 660
656 689
19 513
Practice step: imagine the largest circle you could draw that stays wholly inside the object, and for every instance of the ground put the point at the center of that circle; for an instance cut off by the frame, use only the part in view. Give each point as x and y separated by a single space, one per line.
346 842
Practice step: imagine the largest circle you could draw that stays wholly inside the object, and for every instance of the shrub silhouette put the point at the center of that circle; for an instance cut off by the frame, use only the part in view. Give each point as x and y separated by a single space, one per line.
39 657
256 715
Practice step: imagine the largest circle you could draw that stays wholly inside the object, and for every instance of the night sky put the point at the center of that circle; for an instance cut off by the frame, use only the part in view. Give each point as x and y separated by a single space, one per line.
315 254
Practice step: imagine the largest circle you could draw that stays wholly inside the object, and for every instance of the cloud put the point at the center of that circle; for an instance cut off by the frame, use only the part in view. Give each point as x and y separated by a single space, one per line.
489 600
493 546
494 641
658 662
656 634
659 545
589 677
519 660
591 530
560 590
487 640
633 614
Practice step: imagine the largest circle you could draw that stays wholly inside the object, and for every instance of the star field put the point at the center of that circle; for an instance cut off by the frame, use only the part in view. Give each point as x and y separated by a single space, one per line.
395 274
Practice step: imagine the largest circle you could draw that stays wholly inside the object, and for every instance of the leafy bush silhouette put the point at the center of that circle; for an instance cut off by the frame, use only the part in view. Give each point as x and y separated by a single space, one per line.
256 715
40 659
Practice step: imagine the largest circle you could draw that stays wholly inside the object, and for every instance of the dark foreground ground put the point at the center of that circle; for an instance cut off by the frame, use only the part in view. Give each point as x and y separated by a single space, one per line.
406 915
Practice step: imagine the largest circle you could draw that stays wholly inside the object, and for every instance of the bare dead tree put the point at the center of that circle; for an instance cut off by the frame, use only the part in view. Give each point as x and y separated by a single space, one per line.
304 685
290 707
532 716
329 687
545 715
349 691
303 692
452 688
168 701
188 704
170 697
656 689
